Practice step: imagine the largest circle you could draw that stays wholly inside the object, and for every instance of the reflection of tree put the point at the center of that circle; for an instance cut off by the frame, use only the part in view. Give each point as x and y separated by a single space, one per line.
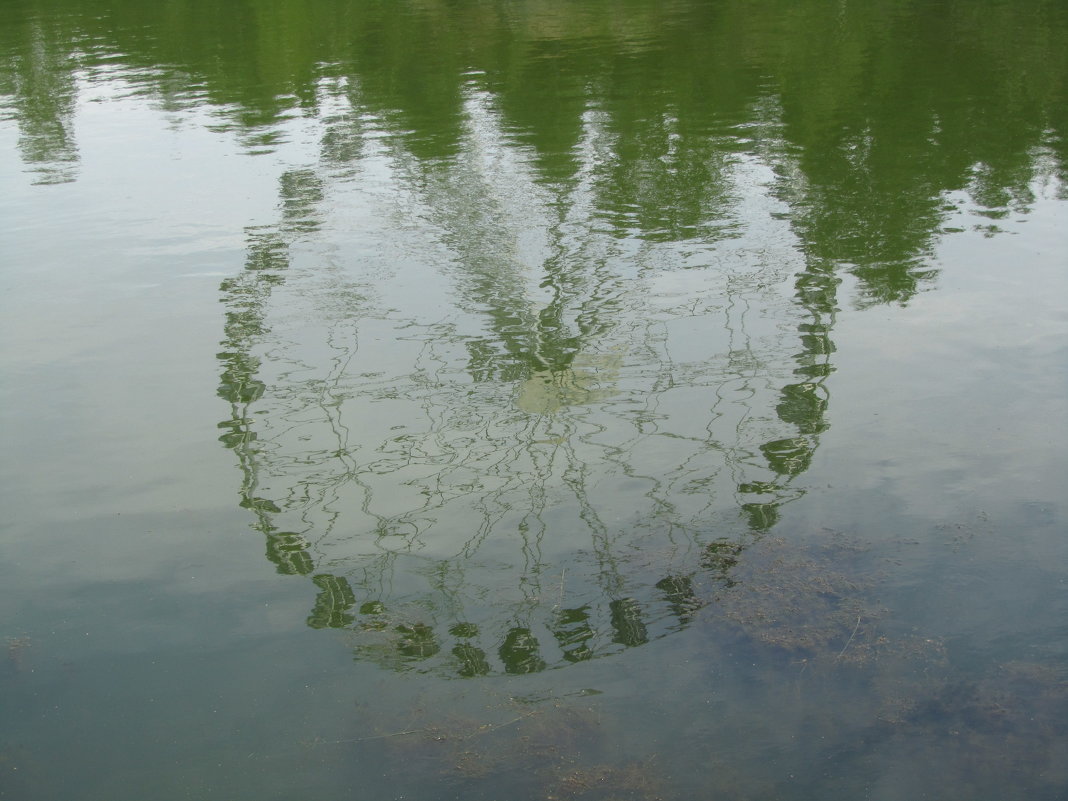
43 92
889 105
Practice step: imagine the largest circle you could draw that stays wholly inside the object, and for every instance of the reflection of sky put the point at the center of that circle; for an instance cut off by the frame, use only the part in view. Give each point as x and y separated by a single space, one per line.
99 277
977 369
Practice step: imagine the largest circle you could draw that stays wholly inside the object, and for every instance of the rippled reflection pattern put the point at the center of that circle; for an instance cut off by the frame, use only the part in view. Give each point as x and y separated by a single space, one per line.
540 337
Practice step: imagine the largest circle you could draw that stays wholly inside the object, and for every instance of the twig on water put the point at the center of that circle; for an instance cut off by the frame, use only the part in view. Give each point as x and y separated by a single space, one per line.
491 726
372 737
851 636
560 600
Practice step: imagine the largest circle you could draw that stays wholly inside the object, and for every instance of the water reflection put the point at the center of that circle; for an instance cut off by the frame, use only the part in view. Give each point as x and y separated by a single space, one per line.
542 335
475 491
535 353
520 417
525 412
40 92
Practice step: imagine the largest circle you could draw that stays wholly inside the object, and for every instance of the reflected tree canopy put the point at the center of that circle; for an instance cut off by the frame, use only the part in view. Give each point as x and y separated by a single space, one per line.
543 331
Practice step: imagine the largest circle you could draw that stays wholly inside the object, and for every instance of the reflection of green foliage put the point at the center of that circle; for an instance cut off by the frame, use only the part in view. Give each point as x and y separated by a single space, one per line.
761 516
301 193
817 370
572 630
267 250
376 618
239 384
818 290
758 487
720 557
42 88
886 109
236 433
417 640
804 406
464 630
473 660
627 624
287 550
332 604
788 457
259 504
681 596
519 652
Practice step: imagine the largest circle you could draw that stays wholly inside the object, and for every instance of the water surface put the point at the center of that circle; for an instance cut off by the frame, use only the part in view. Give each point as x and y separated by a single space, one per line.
534 400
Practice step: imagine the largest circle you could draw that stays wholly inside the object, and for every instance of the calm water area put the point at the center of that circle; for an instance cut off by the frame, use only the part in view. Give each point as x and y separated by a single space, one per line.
534 400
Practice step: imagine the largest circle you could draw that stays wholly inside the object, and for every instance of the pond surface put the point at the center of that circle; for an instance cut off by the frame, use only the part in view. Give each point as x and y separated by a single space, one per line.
534 400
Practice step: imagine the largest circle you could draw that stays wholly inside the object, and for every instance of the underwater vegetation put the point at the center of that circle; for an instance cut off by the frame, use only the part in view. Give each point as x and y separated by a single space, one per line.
938 734
805 687
812 602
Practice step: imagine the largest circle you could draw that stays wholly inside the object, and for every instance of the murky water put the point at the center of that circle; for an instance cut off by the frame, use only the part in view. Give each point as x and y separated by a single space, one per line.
534 400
